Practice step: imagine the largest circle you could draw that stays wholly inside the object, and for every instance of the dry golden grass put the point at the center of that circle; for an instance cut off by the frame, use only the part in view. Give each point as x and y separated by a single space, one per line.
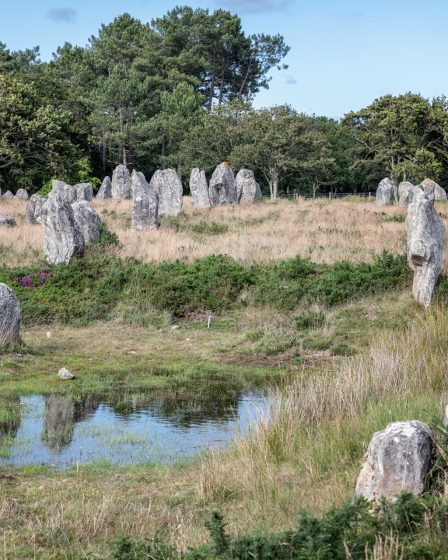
324 231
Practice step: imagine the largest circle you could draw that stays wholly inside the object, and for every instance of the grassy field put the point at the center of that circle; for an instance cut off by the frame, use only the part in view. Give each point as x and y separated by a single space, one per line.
340 367
324 231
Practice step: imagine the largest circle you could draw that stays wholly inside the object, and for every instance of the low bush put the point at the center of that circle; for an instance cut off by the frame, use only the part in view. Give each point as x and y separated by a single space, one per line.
300 281
91 288
409 529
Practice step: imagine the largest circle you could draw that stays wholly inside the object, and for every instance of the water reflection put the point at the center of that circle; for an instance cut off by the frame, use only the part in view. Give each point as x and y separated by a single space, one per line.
61 415
124 428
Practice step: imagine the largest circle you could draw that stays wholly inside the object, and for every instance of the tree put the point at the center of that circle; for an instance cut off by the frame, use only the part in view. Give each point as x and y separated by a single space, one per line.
389 134
123 100
35 141
212 47
270 144
180 111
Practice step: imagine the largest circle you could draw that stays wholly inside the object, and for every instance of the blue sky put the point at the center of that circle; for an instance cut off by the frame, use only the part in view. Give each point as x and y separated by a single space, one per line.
343 54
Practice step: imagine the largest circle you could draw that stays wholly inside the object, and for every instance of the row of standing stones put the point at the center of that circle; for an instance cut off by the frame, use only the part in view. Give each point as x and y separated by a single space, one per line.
399 457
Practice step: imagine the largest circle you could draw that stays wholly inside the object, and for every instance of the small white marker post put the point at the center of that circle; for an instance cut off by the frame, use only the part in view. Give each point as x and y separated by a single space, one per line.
209 321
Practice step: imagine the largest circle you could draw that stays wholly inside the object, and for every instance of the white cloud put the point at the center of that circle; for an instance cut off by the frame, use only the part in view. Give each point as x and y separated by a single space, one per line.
63 14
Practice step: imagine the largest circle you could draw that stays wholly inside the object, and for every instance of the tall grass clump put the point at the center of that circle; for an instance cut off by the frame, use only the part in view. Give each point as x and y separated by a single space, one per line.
320 423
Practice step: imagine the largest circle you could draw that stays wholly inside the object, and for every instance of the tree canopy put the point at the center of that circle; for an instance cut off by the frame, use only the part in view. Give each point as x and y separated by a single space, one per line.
177 91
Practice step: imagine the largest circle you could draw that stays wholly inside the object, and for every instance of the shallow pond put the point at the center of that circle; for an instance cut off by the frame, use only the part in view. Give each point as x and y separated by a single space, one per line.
124 429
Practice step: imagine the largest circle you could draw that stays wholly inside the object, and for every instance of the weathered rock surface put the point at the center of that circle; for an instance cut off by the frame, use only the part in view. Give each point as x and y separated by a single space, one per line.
430 186
405 190
7 221
7 195
397 460
63 238
65 190
121 183
247 188
385 193
168 187
84 191
87 219
105 191
425 240
222 189
21 194
199 189
34 209
9 315
145 204
65 374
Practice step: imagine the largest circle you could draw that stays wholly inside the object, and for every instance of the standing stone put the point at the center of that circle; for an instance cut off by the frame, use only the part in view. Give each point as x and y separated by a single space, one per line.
9 316
145 204
34 208
63 238
247 188
8 195
21 194
168 187
199 189
67 192
121 183
431 186
405 190
105 191
222 188
7 221
397 460
84 191
87 219
426 238
385 193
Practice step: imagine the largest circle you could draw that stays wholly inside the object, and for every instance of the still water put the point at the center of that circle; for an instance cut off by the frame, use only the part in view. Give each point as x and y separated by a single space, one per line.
122 429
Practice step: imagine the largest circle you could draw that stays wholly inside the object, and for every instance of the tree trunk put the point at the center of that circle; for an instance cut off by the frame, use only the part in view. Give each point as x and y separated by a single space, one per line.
122 147
275 186
211 92
103 154
221 91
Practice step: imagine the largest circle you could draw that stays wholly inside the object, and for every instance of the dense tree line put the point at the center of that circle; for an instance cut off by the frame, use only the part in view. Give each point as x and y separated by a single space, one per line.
177 92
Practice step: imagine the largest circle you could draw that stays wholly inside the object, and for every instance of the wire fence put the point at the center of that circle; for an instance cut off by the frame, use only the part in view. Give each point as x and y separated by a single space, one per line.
294 195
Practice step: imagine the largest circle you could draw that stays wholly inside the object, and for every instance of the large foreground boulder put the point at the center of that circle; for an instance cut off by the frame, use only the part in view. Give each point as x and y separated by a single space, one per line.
385 193
105 191
425 240
199 189
405 190
34 209
430 187
168 187
84 191
247 188
397 460
9 316
121 183
145 204
63 238
222 189
66 191
21 194
87 219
